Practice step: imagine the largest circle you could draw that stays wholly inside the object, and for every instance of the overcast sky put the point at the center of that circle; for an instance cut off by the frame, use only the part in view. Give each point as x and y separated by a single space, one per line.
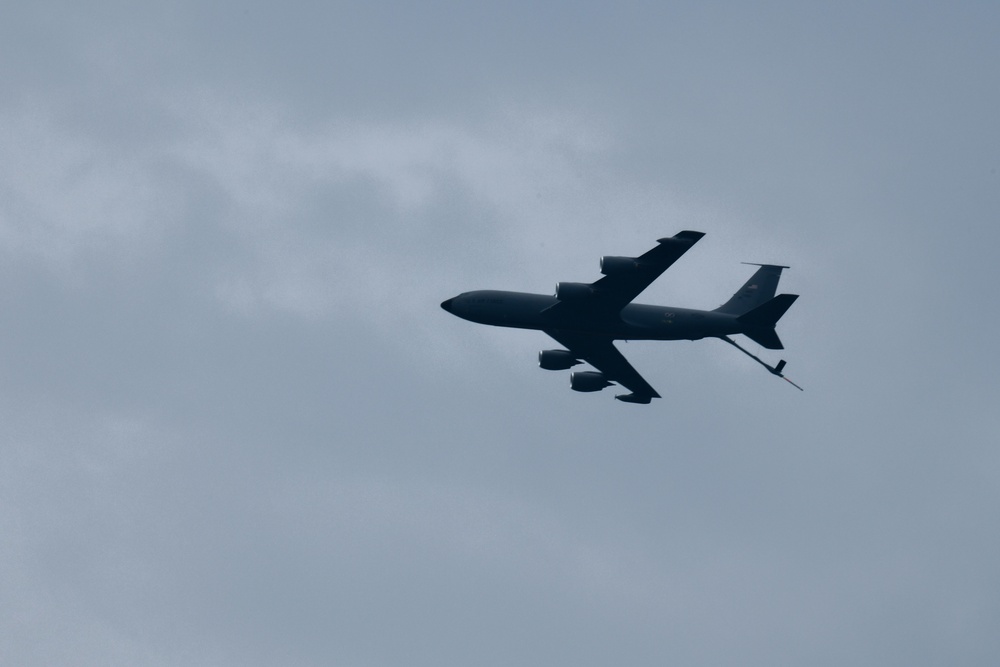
237 429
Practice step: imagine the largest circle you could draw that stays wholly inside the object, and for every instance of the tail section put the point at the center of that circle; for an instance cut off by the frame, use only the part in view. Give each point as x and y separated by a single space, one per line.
755 292
758 323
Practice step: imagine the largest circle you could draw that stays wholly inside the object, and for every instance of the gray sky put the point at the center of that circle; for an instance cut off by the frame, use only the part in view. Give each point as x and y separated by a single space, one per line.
238 430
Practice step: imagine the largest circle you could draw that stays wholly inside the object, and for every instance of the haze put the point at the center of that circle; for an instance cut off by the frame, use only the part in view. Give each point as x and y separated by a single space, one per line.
237 429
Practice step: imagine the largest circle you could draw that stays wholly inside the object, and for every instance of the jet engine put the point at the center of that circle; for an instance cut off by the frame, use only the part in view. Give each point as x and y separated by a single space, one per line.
557 360
614 266
573 291
588 381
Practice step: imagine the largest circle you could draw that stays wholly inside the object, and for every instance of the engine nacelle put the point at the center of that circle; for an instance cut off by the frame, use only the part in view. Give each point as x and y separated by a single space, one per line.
588 381
614 266
573 291
557 360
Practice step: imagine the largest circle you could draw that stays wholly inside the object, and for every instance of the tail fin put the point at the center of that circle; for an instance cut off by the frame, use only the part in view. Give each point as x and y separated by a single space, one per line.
755 292
758 324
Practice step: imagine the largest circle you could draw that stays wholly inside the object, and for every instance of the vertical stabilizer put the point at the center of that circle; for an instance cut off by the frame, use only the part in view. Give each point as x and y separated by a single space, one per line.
755 292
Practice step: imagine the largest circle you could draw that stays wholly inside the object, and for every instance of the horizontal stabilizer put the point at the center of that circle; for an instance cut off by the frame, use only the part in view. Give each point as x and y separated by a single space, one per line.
768 314
758 324
767 338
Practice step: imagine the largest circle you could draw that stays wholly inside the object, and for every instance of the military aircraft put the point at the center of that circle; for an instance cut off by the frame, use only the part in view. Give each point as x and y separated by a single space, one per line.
586 318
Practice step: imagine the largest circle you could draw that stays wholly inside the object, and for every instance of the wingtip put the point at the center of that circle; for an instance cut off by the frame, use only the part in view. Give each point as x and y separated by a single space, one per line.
687 236
767 266
642 399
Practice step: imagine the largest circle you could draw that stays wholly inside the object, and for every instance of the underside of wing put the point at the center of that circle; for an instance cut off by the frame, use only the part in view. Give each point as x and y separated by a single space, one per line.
600 352
624 279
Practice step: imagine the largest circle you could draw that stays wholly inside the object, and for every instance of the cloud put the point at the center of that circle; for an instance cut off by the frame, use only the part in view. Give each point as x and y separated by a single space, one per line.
237 429
67 195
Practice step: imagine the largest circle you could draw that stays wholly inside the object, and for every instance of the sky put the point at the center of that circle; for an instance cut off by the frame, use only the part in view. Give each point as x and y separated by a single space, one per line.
237 429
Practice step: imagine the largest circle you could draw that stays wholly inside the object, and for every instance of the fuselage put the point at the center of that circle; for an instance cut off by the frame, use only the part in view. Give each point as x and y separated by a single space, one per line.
522 310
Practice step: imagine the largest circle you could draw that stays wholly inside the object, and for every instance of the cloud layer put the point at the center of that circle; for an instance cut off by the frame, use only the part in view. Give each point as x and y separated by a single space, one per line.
237 428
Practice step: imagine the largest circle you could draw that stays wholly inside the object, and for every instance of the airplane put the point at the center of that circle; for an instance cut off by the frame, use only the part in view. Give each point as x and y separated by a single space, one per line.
586 318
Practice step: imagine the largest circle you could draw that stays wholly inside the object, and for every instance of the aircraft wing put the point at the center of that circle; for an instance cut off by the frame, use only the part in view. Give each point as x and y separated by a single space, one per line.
619 287
599 351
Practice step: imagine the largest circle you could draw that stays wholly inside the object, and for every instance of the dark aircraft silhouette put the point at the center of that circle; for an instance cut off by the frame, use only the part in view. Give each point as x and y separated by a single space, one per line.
587 318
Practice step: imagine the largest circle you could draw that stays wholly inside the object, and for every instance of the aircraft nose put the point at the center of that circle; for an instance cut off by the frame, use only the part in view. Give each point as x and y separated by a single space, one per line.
446 304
